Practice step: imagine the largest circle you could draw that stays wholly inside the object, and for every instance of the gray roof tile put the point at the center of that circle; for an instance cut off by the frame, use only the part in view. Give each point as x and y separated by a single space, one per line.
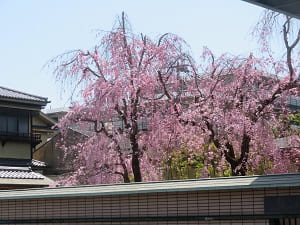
19 173
37 163
14 94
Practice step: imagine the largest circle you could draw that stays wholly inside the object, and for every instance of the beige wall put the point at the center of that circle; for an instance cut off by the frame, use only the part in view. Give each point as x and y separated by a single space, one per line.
37 121
53 156
47 153
57 164
15 150
45 136
45 132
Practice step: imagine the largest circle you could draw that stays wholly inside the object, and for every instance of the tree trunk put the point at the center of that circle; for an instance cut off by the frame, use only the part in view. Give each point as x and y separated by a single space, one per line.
126 177
238 165
135 162
136 168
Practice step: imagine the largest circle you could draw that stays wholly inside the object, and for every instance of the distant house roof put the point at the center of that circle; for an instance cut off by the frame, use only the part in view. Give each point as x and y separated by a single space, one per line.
56 110
288 142
11 94
225 183
37 163
288 7
21 177
19 173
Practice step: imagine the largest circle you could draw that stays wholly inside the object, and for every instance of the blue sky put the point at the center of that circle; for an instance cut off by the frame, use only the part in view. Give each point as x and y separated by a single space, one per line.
34 31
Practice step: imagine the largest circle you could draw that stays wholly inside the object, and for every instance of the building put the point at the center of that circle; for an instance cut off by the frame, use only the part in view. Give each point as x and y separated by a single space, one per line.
49 151
57 163
288 7
57 113
258 200
294 103
22 128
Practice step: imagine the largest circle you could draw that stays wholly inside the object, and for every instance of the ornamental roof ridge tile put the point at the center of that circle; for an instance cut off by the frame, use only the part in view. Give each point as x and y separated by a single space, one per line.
37 163
15 94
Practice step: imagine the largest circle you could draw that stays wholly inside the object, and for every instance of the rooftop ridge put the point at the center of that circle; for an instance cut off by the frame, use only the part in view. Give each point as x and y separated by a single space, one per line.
24 93
167 181
207 184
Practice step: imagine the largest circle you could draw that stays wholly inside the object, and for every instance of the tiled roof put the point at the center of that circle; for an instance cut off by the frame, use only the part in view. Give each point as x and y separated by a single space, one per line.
37 163
13 94
56 110
19 173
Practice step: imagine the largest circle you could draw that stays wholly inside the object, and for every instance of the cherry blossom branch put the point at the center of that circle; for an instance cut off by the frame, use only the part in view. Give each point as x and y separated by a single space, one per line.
289 48
161 38
144 39
129 56
88 69
97 64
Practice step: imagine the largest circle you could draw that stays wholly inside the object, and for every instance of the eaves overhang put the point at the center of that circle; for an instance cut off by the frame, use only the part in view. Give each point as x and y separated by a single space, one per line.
14 97
287 7
25 101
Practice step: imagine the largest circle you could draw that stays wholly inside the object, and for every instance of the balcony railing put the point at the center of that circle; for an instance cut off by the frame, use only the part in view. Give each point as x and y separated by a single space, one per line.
32 138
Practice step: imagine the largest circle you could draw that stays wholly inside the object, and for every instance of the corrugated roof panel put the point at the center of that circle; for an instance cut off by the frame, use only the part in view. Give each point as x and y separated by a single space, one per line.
228 183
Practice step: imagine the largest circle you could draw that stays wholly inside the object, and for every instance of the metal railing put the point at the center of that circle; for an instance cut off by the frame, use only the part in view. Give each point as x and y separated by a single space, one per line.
33 138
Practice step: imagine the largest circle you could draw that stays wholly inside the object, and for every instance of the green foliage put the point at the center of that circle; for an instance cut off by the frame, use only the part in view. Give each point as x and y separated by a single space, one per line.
264 166
186 164
291 125
295 119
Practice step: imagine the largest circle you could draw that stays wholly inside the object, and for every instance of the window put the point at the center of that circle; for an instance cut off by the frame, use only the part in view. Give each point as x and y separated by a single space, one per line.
118 124
23 124
283 205
3 123
285 221
143 124
14 123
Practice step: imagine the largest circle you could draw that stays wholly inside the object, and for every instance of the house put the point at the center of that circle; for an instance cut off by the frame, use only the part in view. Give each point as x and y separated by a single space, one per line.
57 113
58 165
22 128
288 7
294 103
259 200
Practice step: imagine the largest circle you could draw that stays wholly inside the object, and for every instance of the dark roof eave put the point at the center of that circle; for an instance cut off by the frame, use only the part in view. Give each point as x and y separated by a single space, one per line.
264 4
25 101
